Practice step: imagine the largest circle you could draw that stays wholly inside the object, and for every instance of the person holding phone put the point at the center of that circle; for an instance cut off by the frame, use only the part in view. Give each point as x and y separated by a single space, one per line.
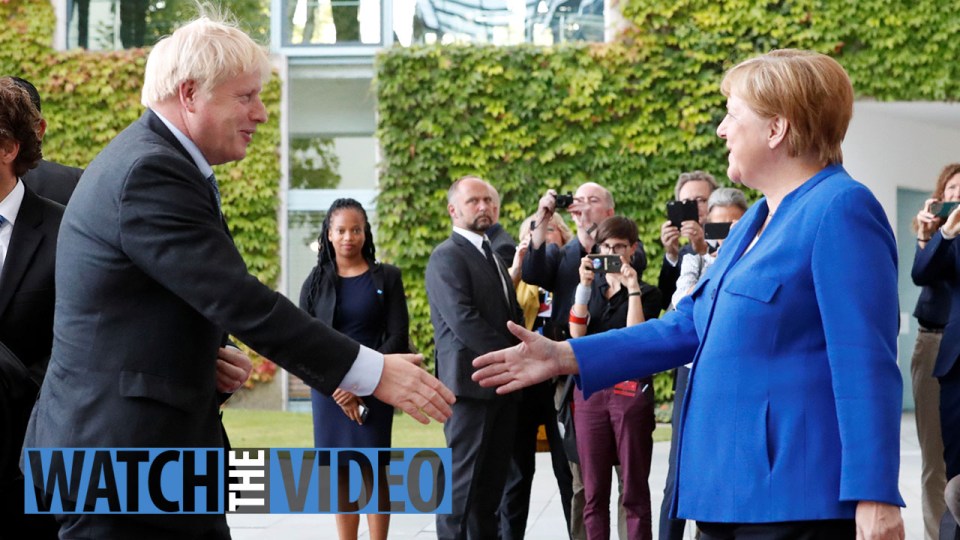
725 207
933 368
351 291
615 425
693 187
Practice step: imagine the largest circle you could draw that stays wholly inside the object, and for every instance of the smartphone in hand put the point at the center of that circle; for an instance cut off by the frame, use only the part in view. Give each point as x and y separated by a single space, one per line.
942 209
716 231
680 211
364 412
606 263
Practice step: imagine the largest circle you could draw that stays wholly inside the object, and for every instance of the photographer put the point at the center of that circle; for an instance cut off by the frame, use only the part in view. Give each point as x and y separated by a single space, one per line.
557 270
691 186
934 369
615 425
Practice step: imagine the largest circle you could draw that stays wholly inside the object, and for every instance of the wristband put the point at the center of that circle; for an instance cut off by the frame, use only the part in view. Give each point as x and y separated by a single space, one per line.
576 319
582 296
638 293
923 239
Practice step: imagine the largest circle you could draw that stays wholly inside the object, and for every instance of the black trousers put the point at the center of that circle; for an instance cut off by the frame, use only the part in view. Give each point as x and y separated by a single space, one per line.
827 529
672 529
536 407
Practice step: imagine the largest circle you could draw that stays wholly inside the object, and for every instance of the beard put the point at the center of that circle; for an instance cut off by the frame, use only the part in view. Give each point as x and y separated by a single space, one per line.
480 224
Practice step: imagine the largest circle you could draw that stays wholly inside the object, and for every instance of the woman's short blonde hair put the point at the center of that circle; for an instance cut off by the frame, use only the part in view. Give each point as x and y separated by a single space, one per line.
810 90
207 51
557 221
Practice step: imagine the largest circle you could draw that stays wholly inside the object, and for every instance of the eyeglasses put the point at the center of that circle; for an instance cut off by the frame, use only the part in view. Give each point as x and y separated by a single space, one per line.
615 248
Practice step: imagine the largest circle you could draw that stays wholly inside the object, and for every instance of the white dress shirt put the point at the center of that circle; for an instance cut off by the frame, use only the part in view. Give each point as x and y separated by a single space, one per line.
9 209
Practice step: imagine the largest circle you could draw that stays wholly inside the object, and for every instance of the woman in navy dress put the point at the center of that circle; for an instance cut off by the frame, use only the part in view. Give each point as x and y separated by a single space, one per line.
364 299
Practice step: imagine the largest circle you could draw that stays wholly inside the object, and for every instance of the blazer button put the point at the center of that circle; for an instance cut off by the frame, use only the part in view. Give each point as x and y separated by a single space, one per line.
713 294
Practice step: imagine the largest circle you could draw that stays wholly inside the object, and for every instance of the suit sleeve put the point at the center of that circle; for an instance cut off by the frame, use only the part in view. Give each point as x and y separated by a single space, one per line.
397 332
854 269
449 290
936 262
171 232
667 282
540 266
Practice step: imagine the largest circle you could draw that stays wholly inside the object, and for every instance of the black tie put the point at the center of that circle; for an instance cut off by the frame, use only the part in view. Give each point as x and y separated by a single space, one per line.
491 259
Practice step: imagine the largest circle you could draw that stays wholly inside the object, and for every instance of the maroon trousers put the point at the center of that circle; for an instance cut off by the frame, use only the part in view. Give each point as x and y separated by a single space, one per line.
615 427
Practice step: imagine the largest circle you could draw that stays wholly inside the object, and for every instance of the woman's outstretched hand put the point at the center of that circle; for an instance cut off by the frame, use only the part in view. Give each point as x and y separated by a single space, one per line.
534 359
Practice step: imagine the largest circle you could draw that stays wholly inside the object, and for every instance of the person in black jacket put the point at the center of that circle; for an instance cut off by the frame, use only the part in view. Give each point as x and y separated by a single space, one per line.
351 291
691 186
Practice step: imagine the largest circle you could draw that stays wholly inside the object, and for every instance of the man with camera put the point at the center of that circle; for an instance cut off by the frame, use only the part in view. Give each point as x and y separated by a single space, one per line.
558 270
687 215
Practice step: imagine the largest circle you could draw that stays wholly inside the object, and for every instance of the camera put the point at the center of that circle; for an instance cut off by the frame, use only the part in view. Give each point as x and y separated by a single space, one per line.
680 211
563 200
606 263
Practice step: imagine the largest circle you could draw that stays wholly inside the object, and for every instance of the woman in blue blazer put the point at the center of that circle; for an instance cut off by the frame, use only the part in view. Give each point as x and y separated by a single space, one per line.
791 421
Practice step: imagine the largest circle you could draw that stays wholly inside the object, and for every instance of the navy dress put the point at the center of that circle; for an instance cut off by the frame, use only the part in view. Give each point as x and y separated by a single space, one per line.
358 314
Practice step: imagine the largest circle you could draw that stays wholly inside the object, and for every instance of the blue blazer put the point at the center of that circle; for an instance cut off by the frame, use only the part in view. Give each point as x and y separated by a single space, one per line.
936 266
792 411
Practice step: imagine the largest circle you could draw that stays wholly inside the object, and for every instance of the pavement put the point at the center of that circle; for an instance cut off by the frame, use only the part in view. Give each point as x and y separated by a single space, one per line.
546 519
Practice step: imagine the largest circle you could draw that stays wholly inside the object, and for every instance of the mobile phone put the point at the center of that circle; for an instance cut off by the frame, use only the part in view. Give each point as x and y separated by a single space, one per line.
606 263
364 412
680 211
942 209
716 231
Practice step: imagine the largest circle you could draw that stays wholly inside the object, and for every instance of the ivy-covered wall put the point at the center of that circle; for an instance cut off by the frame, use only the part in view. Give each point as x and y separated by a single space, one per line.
89 97
630 115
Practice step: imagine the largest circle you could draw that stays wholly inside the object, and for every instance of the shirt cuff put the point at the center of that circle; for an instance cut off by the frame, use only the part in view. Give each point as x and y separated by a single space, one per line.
364 374
946 236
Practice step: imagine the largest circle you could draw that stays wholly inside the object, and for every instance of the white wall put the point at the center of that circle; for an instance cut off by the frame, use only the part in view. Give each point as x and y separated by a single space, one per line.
891 145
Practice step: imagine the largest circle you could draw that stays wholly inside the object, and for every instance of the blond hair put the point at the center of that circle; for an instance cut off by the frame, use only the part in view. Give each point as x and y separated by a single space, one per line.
808 89
207 50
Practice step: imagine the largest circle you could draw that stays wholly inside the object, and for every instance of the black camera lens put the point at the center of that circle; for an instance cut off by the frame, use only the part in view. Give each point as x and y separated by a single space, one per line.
564 200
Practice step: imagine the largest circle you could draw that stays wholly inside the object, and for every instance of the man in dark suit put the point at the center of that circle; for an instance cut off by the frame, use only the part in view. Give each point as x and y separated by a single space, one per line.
149 282
48 179
28 242
471 299
691 186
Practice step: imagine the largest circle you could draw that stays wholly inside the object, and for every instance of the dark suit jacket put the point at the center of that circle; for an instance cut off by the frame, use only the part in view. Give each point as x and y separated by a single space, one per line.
502 243
26 335
468 311
669 274
937 265
395 337
148 282
53 180
26 283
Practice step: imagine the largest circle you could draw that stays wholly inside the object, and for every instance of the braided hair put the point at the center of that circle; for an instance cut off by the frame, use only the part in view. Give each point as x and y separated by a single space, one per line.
325 252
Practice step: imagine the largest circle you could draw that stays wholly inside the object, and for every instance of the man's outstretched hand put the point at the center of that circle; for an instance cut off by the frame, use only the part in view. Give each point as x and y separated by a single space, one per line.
534 359
404 384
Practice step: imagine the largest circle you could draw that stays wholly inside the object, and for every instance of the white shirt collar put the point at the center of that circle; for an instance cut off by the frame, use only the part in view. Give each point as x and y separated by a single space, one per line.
205 169
10 205
474 238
